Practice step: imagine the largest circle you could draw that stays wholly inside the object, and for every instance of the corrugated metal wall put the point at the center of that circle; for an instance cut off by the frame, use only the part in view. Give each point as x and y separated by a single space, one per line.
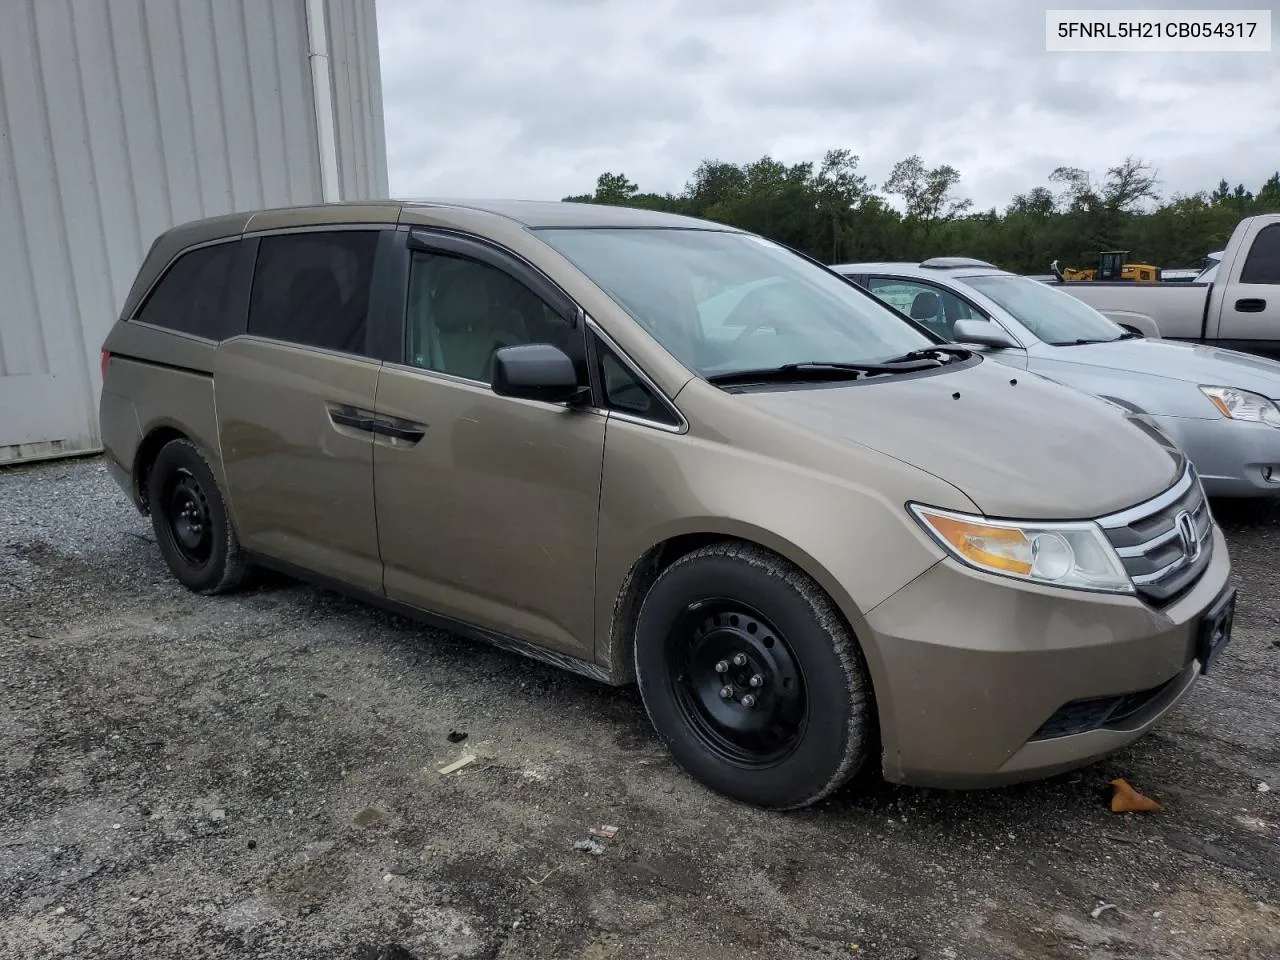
120 118
357 99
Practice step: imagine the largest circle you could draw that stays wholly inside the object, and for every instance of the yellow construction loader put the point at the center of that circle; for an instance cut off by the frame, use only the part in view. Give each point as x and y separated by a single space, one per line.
1112 265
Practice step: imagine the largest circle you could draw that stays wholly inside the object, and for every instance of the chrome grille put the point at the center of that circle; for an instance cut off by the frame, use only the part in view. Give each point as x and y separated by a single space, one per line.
1161 550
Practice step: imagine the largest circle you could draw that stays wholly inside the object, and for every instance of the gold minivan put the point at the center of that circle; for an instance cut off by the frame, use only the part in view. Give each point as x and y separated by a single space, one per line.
662 451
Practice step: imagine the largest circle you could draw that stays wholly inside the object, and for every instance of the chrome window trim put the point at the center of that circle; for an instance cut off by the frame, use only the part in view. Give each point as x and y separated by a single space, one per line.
438 375
645 381
164 272
194 337
311 348
247 234
450 379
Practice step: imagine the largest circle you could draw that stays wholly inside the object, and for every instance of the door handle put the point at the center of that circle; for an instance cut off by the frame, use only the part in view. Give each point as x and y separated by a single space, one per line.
1251 305
353 419
409 432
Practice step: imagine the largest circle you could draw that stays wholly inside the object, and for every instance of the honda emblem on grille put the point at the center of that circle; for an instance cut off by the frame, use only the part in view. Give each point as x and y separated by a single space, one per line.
1187 535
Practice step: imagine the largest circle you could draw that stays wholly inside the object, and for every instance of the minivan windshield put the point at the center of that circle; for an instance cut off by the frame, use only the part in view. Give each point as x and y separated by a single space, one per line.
724 302
1053 316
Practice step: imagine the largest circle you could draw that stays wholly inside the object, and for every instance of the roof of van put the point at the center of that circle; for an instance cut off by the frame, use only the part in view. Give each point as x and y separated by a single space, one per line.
557 213
528 213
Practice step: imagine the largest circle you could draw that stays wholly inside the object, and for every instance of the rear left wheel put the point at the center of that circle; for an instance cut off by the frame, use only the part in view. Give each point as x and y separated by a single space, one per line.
191 523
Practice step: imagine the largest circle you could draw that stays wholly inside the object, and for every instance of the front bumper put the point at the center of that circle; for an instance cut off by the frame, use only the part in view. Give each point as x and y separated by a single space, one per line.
1233 459
972 672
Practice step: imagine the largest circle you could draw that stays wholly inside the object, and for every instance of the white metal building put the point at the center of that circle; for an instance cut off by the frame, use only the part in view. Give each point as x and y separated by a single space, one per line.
120 118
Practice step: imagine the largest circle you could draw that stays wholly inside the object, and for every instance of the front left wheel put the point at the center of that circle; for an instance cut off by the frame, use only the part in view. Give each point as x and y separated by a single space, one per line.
751 677
192 526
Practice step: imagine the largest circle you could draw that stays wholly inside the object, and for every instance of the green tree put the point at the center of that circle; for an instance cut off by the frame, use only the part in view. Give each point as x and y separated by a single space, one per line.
928 195
714 182
840 190
830 211
1268 200
614 188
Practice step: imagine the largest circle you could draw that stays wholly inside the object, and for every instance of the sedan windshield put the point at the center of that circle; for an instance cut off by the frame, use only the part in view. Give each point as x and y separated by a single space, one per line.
1053 316
724 302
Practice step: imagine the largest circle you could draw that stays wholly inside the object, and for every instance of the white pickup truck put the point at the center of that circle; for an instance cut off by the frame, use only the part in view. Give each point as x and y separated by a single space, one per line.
1233 303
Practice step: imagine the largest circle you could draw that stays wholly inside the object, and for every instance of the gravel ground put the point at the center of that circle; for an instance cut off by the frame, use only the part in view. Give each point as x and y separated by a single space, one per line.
257 775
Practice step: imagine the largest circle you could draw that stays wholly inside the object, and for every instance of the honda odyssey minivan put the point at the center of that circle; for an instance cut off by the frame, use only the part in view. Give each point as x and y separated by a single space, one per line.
658 450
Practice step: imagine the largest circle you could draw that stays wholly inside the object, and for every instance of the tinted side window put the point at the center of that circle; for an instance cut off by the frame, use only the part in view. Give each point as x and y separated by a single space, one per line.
460 313
1263 263
192 296
931 306
626 393
313 289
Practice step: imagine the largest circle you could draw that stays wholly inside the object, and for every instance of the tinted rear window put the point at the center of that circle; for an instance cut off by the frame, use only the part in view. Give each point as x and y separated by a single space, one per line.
192 295
1263 263
313 289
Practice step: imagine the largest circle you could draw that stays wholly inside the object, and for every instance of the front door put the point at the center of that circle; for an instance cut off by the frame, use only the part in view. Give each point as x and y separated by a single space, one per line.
1249 316
487 506
938 309
294 399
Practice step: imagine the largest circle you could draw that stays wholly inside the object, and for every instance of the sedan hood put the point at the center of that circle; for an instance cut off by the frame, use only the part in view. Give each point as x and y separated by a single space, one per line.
1015 444
1193 363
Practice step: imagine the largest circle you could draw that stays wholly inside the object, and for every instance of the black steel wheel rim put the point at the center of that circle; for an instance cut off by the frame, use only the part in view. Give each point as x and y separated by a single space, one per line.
189 519
738 684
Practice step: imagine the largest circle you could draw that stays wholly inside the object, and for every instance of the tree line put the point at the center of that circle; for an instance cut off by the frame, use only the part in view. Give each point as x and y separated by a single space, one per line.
830 211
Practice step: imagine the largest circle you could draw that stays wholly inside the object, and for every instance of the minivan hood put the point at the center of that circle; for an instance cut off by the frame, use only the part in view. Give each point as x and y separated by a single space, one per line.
1014 443
1194 363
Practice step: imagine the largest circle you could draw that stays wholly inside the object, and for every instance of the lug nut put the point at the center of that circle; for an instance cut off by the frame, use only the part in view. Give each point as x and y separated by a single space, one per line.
722 666
756 680
749 700
739 659
727 692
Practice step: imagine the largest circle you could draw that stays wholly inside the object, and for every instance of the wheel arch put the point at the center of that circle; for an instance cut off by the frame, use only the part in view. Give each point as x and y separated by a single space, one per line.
676 543
155 440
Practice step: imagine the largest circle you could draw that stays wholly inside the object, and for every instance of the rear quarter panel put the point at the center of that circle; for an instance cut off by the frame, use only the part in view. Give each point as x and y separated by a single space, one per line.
156 380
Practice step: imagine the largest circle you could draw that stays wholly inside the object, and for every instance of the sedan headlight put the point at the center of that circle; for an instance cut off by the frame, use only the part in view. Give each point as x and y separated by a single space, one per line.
1073 555
1236 404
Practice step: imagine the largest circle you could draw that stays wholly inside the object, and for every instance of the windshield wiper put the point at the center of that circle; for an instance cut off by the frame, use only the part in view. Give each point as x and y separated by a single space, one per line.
1130 335
818 370
931 353
1079 341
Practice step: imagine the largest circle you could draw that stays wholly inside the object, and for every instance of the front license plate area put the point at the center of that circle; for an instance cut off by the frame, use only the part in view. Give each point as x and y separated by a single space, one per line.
1215 630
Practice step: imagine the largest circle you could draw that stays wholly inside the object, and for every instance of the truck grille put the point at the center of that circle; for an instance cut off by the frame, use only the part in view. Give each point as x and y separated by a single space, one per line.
1165 544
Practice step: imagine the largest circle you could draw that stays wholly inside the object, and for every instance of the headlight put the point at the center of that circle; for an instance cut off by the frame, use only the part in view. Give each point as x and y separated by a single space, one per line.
1242 405
1073 555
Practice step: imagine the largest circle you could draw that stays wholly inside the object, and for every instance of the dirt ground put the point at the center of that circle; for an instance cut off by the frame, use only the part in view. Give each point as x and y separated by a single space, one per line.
257 775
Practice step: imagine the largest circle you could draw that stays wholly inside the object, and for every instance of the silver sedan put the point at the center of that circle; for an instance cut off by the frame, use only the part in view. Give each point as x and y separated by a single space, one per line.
1218 405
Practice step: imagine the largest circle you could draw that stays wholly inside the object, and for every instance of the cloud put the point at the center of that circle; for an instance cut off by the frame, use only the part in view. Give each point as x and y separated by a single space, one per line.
535 98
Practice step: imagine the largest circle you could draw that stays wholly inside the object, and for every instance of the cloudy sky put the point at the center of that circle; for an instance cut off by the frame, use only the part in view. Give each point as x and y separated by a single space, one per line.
535 98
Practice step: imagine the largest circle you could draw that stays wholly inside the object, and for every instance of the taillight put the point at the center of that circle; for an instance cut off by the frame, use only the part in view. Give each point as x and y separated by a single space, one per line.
106 358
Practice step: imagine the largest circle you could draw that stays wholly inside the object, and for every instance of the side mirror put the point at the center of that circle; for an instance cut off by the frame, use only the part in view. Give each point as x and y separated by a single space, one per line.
982 333
535 371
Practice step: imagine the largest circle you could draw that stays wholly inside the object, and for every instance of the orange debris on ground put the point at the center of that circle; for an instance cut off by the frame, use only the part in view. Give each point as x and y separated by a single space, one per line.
1125 799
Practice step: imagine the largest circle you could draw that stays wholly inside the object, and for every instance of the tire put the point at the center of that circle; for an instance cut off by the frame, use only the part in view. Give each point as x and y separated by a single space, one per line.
191 523
811 726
